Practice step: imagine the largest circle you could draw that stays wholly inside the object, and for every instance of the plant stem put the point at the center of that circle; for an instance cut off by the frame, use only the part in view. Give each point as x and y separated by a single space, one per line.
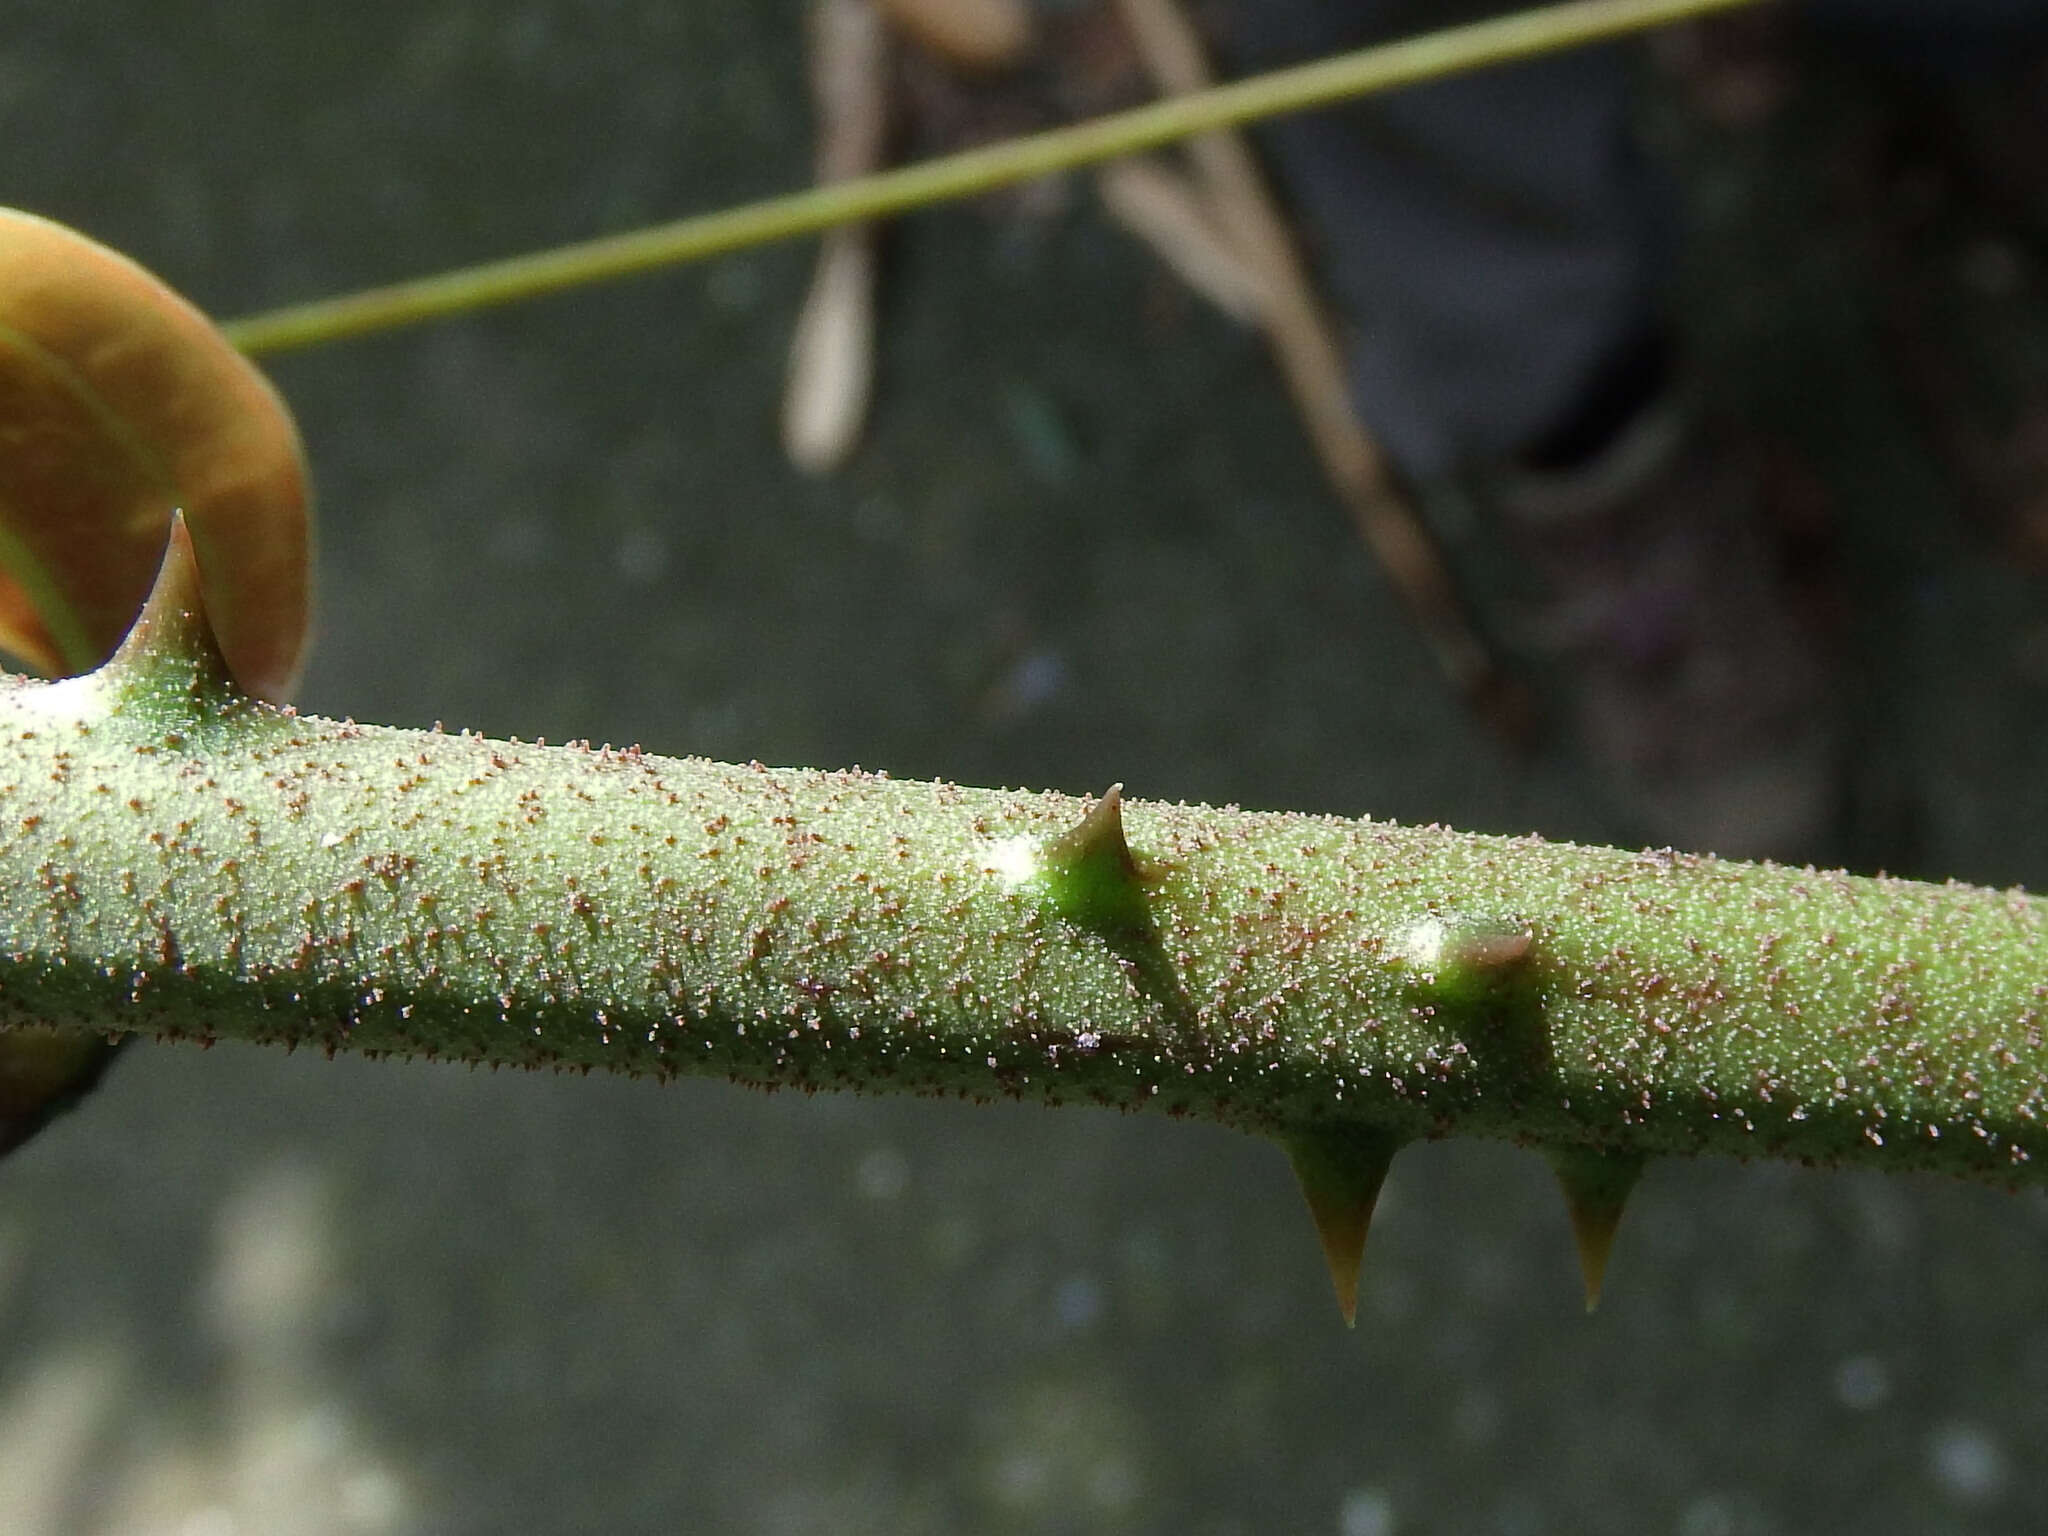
1320 83
183 860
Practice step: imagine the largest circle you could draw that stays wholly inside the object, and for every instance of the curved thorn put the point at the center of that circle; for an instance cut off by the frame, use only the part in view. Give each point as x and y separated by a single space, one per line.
170 650
1090 876
43 1074
172 624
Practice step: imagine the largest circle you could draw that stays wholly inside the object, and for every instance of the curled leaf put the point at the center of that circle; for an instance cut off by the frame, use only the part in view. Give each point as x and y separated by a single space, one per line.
120 403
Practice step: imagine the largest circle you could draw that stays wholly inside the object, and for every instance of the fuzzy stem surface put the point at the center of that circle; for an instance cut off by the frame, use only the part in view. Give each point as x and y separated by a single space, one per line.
178 859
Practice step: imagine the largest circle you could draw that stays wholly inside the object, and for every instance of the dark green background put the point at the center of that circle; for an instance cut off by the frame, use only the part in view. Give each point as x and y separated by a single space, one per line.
241 1292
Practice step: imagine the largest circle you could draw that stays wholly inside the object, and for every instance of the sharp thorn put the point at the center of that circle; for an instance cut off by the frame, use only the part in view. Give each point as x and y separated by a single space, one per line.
44 1073
1340 1172
172 631
1596 1187
1090 875
1098 835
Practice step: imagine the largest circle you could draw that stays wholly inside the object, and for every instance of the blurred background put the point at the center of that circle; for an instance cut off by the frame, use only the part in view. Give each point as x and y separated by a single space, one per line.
1083 541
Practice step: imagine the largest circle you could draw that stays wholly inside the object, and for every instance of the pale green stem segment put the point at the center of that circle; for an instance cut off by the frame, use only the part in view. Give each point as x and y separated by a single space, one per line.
1383 68
178 859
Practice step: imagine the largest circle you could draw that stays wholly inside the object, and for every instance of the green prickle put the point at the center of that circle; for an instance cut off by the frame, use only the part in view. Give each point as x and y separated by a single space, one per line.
1340 1170
170 655
1090 877
1596 1187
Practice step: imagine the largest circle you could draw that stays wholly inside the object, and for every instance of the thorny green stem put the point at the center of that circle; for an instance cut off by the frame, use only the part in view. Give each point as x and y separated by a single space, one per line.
178 859
1325 81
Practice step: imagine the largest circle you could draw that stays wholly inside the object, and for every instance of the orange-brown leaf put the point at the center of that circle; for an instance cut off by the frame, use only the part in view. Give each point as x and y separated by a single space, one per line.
120 403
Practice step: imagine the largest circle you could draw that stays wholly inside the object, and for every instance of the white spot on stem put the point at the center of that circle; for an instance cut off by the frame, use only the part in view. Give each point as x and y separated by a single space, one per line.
1014 860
